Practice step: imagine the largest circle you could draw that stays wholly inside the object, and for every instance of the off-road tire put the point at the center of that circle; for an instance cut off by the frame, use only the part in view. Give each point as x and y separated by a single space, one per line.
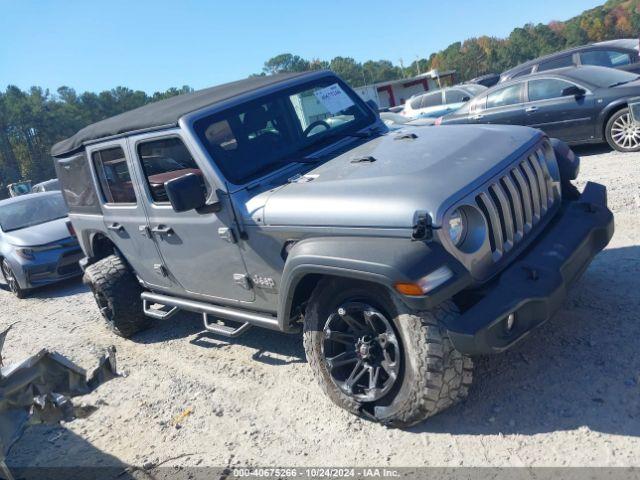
434 375
620 116
117 293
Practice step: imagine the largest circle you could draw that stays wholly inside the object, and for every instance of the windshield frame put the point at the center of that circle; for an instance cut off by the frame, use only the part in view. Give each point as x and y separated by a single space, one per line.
282 90
27 200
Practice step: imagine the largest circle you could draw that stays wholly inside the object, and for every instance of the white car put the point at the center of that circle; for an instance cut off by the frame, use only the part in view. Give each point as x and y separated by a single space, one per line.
440 102
395 121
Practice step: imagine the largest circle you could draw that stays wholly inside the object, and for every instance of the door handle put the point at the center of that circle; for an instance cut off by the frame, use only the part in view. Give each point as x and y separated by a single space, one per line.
162 230
116 227
531 109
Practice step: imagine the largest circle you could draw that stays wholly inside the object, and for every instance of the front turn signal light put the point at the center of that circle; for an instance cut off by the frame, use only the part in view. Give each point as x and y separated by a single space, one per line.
412 289
425 284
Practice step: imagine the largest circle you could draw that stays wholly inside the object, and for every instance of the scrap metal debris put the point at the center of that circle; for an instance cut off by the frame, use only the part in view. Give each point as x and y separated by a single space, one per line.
38 390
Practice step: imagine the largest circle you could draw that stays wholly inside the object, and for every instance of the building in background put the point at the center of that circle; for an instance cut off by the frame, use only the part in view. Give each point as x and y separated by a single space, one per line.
396 92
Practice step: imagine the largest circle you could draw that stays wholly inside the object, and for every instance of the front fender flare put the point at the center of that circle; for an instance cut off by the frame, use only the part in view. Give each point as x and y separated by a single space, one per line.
381 260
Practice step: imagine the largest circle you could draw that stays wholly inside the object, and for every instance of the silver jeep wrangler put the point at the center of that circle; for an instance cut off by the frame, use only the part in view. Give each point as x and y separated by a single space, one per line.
284 202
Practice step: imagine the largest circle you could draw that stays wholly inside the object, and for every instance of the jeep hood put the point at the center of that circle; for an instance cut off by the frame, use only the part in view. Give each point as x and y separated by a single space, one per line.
425 173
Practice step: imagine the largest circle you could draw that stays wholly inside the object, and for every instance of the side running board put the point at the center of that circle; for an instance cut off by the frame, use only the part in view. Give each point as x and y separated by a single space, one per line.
224 330
174 304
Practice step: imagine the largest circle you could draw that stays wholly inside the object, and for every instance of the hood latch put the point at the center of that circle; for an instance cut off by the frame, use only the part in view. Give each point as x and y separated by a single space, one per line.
406 136
363 159
423 227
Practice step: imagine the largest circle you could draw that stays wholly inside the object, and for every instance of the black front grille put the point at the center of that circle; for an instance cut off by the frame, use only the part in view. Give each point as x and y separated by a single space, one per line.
69 269
517 201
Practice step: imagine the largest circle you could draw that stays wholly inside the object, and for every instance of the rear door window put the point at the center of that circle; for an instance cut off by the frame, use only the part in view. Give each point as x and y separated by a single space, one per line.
432 100
546 88
456 96
113 175
165 159
510 95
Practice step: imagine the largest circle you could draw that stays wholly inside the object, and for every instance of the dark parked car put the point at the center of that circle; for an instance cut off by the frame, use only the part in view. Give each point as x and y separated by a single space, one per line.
576 104
37 246
621 54
488 80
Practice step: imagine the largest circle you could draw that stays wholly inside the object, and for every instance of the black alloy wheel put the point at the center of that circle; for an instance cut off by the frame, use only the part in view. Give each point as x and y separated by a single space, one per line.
361 351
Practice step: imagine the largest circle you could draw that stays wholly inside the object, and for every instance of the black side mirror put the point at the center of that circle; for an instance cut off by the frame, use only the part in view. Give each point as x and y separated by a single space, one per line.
186 192
573 91
373 105
466 99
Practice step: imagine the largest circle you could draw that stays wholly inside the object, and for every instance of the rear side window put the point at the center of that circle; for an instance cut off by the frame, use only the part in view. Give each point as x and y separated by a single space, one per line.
510 95
564 61
605 58
77 184
166 159
113 175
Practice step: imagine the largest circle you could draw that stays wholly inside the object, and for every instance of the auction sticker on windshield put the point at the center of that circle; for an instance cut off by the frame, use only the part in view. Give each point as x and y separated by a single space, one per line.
333 98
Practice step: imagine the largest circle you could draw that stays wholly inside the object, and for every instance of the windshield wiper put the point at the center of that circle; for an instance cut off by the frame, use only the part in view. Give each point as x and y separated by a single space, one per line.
366 134
617 84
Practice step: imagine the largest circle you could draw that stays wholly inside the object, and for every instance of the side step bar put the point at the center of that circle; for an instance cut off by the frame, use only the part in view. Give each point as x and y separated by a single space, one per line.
242 316
223 329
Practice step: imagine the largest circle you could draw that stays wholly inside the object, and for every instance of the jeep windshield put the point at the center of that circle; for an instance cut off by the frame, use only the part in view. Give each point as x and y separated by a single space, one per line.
255 138
31 211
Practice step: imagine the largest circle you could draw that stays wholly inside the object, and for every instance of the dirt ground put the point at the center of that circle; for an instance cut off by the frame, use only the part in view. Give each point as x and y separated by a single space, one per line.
567 396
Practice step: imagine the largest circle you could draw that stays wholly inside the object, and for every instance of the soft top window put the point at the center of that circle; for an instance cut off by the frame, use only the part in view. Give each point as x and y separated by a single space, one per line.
256 138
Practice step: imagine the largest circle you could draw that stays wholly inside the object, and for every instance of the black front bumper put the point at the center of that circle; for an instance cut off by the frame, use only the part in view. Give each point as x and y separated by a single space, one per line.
535 286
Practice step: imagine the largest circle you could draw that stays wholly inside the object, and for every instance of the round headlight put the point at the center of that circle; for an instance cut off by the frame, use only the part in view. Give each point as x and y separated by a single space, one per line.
457 227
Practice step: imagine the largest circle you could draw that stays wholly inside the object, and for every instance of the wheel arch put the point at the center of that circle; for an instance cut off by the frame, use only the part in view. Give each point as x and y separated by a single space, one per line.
373 260
608 112
101 246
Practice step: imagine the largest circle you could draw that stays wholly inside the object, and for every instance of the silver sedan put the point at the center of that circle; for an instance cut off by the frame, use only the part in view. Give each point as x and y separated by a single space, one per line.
37 243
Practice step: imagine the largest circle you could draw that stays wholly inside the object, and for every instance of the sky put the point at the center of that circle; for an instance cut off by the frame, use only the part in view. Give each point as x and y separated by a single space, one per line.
153 45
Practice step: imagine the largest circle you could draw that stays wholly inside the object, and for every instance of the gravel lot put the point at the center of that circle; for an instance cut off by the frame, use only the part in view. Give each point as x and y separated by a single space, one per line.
569 395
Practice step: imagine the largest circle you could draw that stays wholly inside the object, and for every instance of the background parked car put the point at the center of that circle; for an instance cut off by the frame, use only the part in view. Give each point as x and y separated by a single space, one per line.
395 121
621 54
488 80
37 246
19 188
46 186
441 102
576 104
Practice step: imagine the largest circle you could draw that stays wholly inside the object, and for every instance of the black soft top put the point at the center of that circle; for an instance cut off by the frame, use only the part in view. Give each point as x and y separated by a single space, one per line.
166 113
